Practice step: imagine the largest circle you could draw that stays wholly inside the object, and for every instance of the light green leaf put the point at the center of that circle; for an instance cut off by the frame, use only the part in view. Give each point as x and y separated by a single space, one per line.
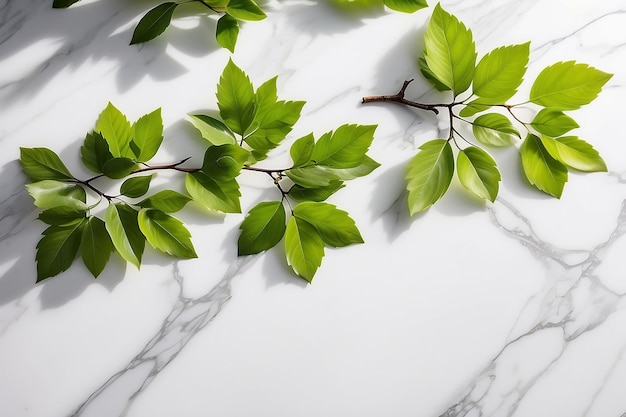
122 224
312 176
235 98
478 173
541 169
304 248
95 152
153 23
494 129
50 194
212 130
429 174
449 51
262 229
224 162
567 85
57 250
575 153
475 106
553 122
428 74
166 233
221 196
61 216
147 133
500 72
168 201
300 193
345 148
301 150
227 32
245 10
366 167
116 130
136 186
95 245
117 168
335 226
43 164
406 6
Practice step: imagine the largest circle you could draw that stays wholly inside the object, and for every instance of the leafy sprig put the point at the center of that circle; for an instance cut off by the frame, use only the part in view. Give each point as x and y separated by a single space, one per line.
479 92
251 124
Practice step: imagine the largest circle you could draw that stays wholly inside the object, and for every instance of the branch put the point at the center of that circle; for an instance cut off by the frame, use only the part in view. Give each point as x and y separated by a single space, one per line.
399 98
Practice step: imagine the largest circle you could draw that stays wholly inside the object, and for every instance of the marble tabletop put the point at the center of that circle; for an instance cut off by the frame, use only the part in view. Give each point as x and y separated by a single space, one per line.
515 308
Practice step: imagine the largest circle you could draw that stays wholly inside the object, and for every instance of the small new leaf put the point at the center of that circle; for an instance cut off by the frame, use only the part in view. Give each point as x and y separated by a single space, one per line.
147 133
245 10
235 98
478 173
212 130
136 186
567 85
406 6
116 130
51 194
262 229
500 72
95 245
494 129
227 32
335 226
153 23
43 164
168 201
575 153
95 152
166 233
122 224
221 196
553 122
541 169
429 174
57 250
304 248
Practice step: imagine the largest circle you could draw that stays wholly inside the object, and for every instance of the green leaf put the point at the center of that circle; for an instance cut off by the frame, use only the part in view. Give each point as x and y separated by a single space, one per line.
50 194
500 72
345 148
224 162
367 166
153 23
117 168
62 4
212 130
301 150
227 32
61 216
406 6
235 98
122 224
575 153
300 193
95 245
147 133
553 122
312 176
429 174
475 106
494 129
95 152
43 164
567 85
116 130
304 248
136 187
478 173
335 226
430 76
221 196
245 10
168 201
541 169
57 250
166 233
262 229
449 51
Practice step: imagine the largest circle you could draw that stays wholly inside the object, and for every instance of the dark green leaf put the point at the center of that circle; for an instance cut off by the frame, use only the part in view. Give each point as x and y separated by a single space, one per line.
136 186
221 196
345 148
429 174
406 6
235 98
494 129
153 23
500 72
212 130
575 153
224 162
301 150
553 122
116 130
567 85
62 4
119 167
168 201
300 193
166 233
57 250
95 245
541 169
61 216
122 224
95 152
335 226
478 173
245 10
227 32
262 229
147 133
49 194
43 164
304 248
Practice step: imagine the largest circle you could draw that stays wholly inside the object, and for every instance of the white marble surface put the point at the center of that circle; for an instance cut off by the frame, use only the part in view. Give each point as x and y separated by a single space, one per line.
511 309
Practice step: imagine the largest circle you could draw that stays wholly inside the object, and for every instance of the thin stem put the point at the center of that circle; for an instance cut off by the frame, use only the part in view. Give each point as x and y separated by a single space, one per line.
399 98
